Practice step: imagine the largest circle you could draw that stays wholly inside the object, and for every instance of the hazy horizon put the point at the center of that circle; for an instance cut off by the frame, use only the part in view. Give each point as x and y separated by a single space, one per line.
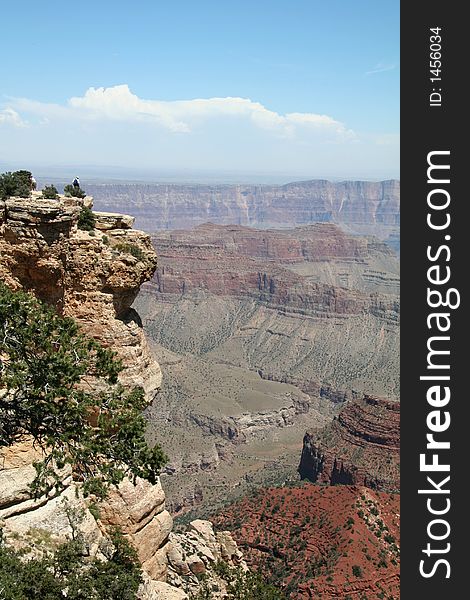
97 174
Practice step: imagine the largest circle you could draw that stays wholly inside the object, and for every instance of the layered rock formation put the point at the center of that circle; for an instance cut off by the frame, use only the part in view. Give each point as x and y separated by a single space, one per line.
283 302
333 543
138 508
360 447
270 267
172 562
359 206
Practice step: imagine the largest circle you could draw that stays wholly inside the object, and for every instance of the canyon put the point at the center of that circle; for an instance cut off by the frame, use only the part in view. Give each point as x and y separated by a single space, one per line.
262 335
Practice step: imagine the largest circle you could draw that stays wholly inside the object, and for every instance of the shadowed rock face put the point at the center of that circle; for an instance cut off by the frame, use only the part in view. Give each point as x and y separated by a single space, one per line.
360 447
359 206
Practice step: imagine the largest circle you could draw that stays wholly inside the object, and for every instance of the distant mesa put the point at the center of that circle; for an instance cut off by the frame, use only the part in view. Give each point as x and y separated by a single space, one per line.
278 268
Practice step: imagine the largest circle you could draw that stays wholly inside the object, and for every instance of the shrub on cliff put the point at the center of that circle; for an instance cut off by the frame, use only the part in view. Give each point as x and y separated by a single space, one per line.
74 192
50 192
357 571
251 585
131 249
67 574
86 219
18 184
241 585
60 388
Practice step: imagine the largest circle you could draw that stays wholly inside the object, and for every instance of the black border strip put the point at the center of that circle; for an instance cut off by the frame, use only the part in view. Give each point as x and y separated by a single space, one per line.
426 128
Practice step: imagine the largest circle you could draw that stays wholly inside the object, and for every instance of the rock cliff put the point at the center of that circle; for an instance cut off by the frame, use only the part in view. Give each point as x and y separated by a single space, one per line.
172 562
360 447
136 507
93 276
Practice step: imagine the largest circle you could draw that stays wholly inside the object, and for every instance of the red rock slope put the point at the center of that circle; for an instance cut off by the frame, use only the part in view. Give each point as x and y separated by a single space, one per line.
323 542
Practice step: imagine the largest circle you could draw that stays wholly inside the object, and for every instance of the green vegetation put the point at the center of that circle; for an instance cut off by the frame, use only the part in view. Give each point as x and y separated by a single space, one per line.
132 249
357 571
50 192
86 219
242 586
72 192
66 573
45 363
18 184
251 585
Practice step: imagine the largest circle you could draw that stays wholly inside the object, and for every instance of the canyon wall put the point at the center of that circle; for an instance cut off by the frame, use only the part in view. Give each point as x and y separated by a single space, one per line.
364 207
263 334
266 266
92 276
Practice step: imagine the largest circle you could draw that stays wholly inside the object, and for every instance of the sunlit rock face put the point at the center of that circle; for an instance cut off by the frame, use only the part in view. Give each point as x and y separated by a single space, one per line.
92 276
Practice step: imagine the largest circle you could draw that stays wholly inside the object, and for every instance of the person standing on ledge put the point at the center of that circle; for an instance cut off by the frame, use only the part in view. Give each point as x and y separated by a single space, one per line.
76 183
33 184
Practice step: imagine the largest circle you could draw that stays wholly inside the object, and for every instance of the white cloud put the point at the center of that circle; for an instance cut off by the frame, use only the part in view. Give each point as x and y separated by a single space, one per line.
10 116
113 126
118 103
381 68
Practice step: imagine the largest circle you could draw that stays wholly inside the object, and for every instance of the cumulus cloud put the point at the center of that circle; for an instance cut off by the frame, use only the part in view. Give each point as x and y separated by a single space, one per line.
118 103
11 117
114 126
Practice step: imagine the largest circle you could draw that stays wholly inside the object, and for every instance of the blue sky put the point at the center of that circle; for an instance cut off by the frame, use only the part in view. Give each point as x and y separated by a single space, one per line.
303 87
